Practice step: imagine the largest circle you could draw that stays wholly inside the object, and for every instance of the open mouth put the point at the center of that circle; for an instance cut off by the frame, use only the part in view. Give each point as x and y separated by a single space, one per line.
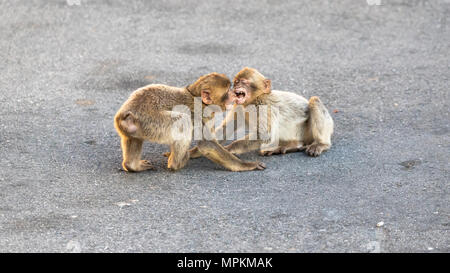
240 95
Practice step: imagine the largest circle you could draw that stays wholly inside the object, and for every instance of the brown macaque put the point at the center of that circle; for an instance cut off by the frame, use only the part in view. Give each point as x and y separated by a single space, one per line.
299 124
149 115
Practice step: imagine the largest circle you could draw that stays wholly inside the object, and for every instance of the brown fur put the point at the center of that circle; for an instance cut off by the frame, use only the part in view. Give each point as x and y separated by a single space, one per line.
302 125
148 115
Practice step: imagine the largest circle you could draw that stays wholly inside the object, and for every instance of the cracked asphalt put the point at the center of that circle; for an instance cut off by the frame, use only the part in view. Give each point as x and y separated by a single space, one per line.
382 70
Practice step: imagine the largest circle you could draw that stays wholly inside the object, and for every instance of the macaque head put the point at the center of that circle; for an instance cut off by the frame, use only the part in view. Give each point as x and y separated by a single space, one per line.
248 85
213 88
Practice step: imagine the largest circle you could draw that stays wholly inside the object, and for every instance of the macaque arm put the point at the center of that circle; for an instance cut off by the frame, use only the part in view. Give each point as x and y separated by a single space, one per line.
195 153
230 117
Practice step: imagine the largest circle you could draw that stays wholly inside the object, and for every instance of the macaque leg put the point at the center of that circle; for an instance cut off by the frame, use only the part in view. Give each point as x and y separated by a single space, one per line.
245 145
172 128
320 128
132 150
180 132
179 155
194 152
218 154
285 147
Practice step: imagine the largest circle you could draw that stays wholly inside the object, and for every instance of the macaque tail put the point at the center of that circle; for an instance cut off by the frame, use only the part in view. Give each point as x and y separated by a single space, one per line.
321 123
125 122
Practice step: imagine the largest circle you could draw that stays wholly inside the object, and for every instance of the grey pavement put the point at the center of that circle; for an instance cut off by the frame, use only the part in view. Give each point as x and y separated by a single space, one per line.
383 71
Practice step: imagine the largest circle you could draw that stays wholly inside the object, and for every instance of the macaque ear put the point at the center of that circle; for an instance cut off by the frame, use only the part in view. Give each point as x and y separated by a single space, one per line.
206 97
267 86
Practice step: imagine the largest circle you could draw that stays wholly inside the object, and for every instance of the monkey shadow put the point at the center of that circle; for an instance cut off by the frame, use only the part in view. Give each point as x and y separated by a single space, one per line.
114 81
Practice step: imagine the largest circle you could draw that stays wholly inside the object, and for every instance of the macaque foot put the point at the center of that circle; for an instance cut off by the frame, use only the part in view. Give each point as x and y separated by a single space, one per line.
146 165
276 151
143 165
260 166
282 150
251 166
315 149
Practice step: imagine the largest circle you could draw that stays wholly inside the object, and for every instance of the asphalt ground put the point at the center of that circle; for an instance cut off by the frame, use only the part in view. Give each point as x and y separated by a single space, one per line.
382 70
